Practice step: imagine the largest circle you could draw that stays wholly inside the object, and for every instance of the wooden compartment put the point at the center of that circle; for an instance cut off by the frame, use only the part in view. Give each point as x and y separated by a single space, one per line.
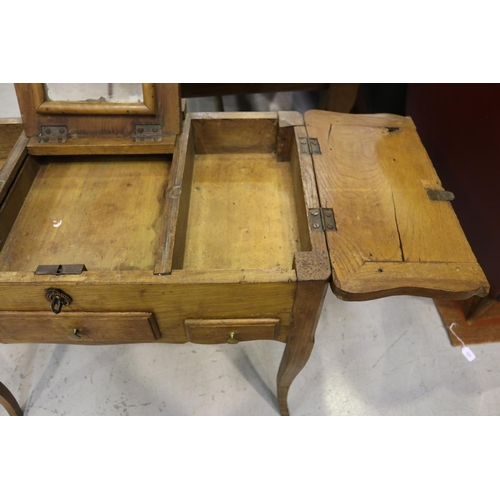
100 211
241 202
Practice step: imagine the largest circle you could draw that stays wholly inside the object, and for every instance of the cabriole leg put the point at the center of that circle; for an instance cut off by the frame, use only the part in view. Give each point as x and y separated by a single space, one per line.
306 312
8 401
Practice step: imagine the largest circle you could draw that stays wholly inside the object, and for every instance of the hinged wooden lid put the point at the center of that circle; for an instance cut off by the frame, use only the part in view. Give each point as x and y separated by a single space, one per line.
61 121
393 234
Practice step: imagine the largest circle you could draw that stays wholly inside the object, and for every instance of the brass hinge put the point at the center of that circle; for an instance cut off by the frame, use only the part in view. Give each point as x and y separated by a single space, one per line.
322 219
59 270
147 133
309 145
54 133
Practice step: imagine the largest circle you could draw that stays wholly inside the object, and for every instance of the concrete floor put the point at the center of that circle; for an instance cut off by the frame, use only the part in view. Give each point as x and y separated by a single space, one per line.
385 357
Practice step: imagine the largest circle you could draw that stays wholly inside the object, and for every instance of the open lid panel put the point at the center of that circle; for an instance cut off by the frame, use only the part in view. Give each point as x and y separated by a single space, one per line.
396 231
93 118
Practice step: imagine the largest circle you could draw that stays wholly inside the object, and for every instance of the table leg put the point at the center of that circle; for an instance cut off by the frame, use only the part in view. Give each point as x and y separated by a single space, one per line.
300 341
8 401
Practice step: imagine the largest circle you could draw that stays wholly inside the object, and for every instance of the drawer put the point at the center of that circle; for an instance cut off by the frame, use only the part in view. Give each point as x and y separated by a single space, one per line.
78 327
231 331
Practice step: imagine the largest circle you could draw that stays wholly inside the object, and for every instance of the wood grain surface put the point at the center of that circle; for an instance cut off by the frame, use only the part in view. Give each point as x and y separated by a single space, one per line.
374 172
103 212
242 213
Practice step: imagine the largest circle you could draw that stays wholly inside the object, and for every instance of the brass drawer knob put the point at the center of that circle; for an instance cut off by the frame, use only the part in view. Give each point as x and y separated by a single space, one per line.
232 338
75 335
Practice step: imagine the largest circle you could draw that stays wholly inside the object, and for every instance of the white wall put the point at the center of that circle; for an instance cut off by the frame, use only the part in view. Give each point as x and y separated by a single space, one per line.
8 101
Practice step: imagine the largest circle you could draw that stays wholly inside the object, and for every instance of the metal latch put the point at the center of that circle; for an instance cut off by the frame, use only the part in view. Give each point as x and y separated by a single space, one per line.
147 133
322 219
60 270
309 145
54 133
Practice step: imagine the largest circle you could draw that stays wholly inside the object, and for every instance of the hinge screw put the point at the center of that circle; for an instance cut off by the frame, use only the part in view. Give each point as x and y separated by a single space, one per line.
140 130
315 213
61 131
315 225
303 141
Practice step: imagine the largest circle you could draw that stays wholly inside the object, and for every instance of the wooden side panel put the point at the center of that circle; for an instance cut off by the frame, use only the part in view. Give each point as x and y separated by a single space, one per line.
374 173
216 133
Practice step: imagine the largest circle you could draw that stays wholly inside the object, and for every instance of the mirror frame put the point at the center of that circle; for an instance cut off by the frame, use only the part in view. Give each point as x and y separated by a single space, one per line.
44 107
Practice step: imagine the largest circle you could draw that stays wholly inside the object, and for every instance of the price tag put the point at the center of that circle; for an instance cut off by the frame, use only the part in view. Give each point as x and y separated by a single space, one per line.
468 353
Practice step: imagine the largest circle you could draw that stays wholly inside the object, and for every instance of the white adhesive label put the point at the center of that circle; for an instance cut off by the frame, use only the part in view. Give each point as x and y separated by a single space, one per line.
468 353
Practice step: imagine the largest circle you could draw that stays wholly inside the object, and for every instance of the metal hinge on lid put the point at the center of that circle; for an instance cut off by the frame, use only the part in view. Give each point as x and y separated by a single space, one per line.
322 219
147 133
309 145
54 133
59 270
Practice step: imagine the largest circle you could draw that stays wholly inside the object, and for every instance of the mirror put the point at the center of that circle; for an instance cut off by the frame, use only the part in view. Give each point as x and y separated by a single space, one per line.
94 92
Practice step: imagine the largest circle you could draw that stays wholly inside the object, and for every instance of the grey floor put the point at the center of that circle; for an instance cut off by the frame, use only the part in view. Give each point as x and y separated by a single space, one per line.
385 357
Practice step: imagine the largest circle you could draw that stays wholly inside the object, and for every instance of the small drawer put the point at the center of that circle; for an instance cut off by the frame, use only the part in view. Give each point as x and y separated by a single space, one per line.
231 331
78 327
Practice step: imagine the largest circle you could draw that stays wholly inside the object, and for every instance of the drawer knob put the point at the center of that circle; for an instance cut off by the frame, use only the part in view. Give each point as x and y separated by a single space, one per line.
75 335
232 338
57 299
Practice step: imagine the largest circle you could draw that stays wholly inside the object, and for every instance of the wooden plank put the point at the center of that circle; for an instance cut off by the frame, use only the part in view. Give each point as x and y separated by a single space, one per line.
305 193
373 172
9 209
173 236
10 130
171 304
441 280
351 182
242 213
214 89
103 212
12 165
145 277
216 133
98 146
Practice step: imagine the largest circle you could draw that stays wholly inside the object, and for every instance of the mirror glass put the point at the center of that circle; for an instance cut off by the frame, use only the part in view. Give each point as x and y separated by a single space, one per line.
94 92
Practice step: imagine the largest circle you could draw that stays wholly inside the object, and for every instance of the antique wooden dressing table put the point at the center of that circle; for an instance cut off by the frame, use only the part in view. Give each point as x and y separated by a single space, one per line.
106 238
